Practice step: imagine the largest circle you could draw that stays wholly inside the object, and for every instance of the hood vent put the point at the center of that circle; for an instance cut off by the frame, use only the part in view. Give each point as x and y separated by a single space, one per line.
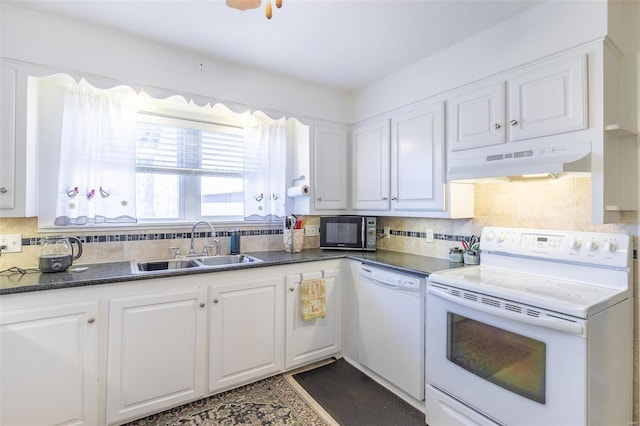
513 160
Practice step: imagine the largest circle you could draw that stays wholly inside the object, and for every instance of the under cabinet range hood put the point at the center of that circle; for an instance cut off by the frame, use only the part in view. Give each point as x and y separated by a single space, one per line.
517 159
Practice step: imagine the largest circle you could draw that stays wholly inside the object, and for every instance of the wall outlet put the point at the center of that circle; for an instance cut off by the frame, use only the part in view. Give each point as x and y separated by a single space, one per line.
387 232
311 230
429 235
11 243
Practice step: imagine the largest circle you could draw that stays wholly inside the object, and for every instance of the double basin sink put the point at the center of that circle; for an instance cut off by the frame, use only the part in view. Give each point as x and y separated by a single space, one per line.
199 262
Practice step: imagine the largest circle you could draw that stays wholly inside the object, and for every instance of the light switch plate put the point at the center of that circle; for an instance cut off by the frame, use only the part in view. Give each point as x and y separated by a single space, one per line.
311 230
12 243
429 235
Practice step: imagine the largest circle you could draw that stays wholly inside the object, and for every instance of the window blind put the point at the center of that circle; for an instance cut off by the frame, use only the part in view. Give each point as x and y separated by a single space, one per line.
176 146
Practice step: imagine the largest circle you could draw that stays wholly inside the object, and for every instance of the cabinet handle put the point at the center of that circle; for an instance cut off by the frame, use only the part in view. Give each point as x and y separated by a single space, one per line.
394 198
3 190
202 305
215 300
319 198
292 289
384 198
91 320
497 126
514 122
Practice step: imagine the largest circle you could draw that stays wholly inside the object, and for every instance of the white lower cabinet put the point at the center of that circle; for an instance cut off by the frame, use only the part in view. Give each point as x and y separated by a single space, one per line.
246 333
156 352
316 339
49 364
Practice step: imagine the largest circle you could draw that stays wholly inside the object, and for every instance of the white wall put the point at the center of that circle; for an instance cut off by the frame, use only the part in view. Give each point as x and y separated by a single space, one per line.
36 39
546 29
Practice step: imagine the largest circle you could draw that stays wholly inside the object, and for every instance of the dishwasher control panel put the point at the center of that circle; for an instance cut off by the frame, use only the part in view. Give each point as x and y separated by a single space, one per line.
399 280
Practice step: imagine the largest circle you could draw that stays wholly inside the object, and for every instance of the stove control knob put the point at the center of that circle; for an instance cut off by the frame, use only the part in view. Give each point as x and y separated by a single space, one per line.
610 246
593 245
501 237
575 243
490 236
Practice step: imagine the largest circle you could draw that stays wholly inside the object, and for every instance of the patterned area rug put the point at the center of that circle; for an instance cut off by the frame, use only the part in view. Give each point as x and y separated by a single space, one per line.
277 400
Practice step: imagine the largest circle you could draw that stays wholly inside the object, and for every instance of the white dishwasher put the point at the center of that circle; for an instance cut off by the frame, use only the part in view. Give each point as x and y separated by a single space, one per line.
391 321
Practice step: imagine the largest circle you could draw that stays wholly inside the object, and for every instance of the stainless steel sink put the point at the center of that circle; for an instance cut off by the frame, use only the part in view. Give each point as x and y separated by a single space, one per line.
164 265
208 262
226 260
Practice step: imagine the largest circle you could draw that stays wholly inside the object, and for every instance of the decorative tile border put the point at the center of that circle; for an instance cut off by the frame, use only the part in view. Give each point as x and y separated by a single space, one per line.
413 234
110 238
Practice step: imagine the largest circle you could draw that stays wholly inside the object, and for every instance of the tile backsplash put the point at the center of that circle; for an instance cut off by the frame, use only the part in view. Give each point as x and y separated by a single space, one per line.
564 203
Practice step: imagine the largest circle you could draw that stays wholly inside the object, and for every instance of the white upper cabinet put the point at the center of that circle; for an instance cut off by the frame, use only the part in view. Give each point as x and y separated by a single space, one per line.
370 166
398 166
330 172
8 77
541 100
417 159
476 117
549 99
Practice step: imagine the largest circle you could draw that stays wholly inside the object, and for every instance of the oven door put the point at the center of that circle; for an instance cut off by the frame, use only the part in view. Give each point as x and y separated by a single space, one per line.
511 367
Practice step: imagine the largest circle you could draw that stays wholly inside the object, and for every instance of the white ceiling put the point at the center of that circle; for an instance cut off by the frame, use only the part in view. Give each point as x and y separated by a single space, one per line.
344 44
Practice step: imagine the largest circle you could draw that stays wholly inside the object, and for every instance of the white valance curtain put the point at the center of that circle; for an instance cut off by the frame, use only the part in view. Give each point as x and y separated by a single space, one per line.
265 154
96 179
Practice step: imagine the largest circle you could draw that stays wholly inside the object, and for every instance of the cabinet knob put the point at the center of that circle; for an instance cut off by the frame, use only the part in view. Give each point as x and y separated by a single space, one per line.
394 198
216 300
384 198
514 122
319 198
3 190
292 289
202 305
91 320
497 126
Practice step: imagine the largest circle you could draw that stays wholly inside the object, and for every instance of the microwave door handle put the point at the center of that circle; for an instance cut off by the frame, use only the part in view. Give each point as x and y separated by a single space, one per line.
555 324
363 224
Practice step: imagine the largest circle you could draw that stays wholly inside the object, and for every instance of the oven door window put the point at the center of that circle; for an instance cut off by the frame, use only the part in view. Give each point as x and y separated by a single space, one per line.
512 361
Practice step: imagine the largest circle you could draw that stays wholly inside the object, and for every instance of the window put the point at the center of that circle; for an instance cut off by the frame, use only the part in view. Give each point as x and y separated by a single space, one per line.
188 169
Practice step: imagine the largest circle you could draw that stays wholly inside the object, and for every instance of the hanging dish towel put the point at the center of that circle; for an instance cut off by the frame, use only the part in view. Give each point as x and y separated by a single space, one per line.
312 298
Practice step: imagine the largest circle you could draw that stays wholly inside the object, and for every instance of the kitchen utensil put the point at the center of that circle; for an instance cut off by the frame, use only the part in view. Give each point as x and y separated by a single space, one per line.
57 254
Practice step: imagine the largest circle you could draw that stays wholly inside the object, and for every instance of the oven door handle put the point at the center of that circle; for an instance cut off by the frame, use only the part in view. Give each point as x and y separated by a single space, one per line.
558 324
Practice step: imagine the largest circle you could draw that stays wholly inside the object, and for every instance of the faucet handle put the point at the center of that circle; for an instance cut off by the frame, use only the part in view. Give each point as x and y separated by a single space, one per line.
206 248
177 253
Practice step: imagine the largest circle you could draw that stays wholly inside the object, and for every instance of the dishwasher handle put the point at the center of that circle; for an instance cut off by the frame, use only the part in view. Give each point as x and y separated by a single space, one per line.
369 280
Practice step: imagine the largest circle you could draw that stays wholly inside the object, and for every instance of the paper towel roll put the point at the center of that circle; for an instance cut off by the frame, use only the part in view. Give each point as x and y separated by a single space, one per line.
298 191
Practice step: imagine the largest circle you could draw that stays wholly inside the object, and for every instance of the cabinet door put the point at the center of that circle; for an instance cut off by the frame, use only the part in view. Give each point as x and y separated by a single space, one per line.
49 364
475 117
316 339
156 352
370 171
8 87
330 158
246 332
417 159
549 99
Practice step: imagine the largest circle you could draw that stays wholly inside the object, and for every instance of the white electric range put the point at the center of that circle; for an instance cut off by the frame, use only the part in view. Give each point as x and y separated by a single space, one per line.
539 333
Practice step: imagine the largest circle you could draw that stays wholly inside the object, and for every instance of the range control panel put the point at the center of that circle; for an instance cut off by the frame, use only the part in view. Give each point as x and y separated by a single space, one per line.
584 247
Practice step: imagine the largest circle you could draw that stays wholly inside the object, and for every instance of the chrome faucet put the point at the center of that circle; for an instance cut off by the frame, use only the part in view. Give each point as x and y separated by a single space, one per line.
206 248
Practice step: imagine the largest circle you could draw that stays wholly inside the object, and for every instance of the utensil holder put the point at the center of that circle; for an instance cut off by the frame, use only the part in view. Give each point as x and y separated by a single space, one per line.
471 259
298 240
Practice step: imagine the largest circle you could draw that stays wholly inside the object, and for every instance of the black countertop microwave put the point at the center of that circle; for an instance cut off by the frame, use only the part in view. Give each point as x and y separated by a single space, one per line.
348 233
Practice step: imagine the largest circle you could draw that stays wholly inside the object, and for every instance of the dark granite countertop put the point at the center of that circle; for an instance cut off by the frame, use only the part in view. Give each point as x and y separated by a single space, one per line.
105 273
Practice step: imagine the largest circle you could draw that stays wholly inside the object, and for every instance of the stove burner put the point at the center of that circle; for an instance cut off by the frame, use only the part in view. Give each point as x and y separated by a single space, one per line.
552 292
